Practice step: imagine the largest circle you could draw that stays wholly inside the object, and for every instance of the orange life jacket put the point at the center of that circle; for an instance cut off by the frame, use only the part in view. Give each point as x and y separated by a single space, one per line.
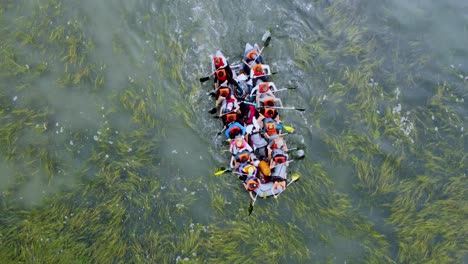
267 112
270 128
224 91
264 87
279 159
264 168
231 117
221 75
243 157
252 184
218 62
258 70
270 101
250 54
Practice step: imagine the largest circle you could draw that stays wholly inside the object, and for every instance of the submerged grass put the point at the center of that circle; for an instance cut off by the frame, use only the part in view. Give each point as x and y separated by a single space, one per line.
408 161
407 157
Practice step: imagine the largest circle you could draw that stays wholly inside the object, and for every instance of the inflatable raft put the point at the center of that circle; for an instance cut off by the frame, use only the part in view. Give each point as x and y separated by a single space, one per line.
258 176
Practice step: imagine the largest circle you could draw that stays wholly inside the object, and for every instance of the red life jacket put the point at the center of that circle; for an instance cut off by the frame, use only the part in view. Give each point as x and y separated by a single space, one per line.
231 117
243 157
252 184
270 101
224 91
269 112
279 159
264 87
221 75
250 54
270 128
218 62
258 70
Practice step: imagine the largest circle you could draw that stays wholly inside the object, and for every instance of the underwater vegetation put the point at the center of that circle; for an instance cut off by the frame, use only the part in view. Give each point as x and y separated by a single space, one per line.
410 160
85 176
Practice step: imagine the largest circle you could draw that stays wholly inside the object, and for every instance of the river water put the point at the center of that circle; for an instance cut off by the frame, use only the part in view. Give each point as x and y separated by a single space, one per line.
108 152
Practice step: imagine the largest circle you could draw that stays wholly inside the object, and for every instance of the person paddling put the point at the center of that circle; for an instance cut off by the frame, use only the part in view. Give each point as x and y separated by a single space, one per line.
234 129
256 138
251 56
222 71
276 143
249 114
278 156
220 62
271 127
238 145
229 111
271 113
263 88
259 72
243 158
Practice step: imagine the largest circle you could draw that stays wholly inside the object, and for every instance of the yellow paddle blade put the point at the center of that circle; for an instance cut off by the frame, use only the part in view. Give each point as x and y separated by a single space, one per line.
220 172
295 177
288 129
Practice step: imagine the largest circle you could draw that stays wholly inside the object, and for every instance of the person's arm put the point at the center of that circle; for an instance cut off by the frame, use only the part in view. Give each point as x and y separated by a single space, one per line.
225 62
236 108
254 91
246 63
233 162
260 119
248 147
266 69
273 86
277 118
279 100
270 93
221 110
257 99
269 151
272 163
215 87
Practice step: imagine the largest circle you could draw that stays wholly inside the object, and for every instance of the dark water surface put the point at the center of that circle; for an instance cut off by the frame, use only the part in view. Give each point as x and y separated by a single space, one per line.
107 152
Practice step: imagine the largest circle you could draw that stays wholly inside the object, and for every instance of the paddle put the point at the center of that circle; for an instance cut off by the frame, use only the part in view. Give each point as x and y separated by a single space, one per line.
283 89
289 129
212 110
204 79
212 94
266 38
222 171
266 41
291 149
252 203
220 116
289 108
220 132
271 73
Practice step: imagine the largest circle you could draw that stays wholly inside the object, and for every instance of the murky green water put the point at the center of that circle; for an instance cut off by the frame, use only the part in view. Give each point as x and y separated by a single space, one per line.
107 152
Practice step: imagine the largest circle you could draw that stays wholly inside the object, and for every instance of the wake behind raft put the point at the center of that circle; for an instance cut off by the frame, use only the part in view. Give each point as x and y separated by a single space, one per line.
247 103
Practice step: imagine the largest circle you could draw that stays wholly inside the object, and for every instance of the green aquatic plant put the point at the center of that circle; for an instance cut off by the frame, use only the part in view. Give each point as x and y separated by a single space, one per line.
129 201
